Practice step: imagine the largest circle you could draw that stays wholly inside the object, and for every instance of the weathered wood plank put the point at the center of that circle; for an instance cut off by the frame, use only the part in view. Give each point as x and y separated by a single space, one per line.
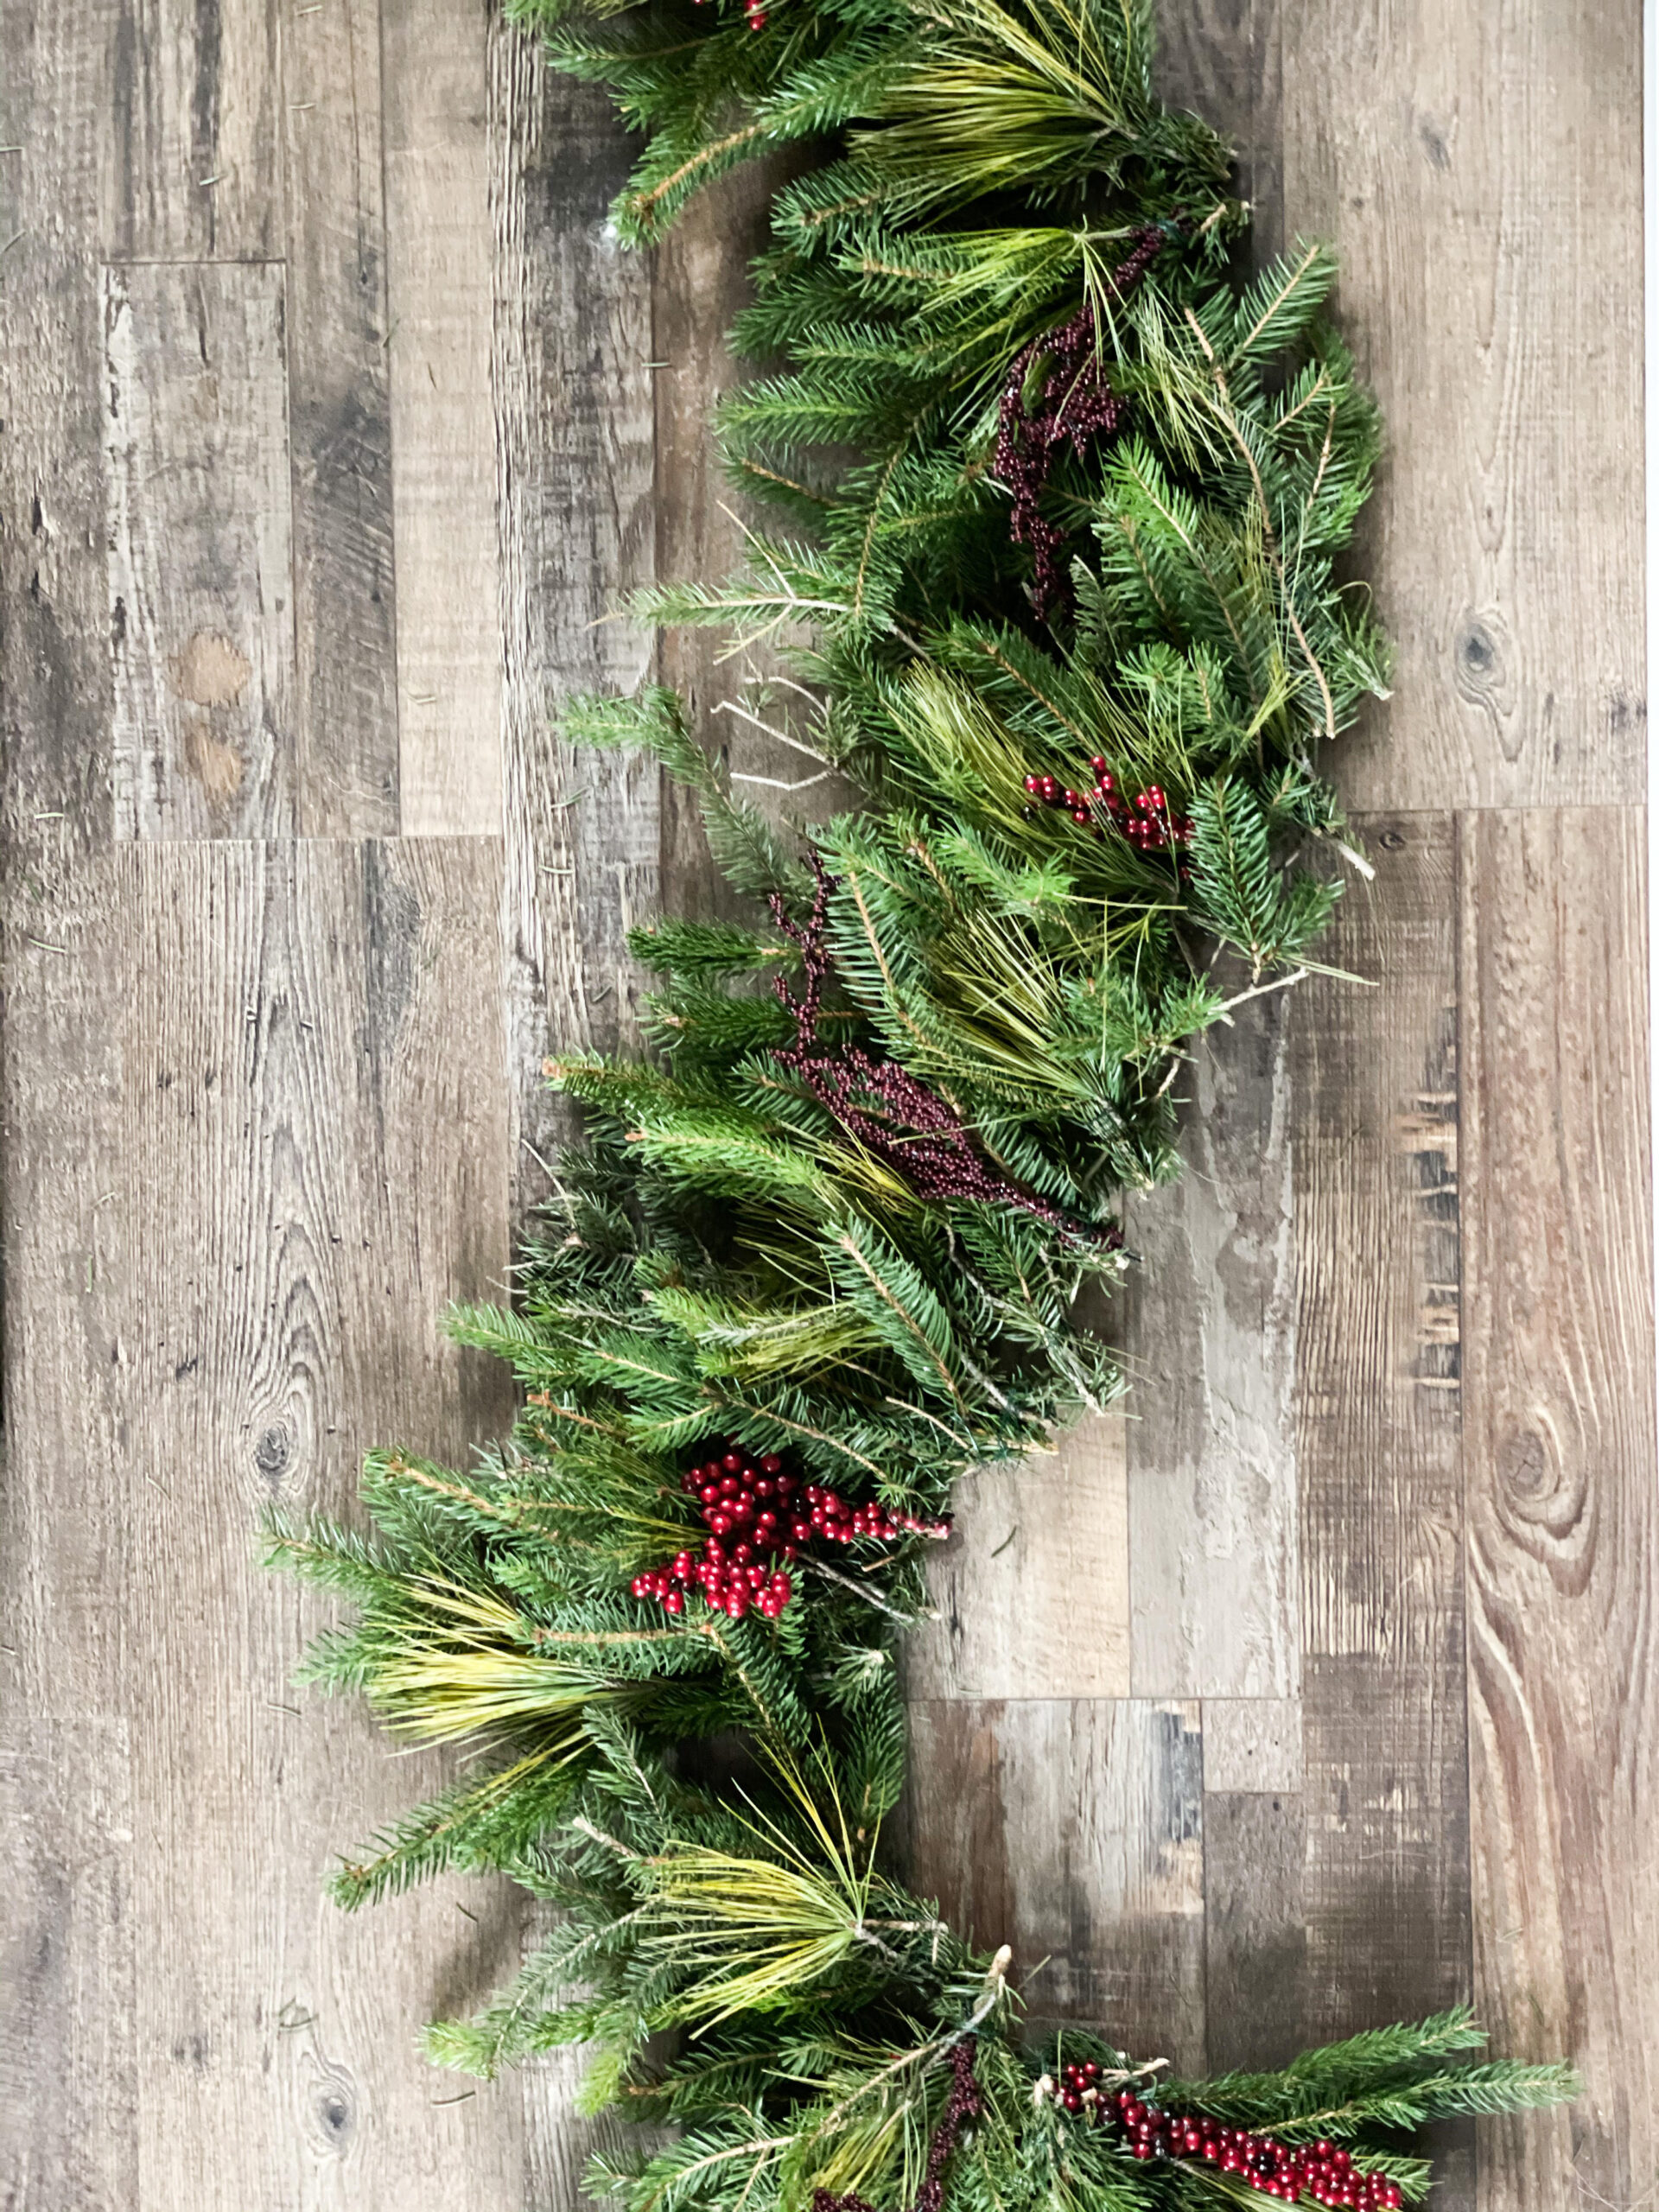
291 1107
1073 1830
1255 1935
575 429
1480 171
444 463
1208 1318
1210 1337
1375 1077
340 424
54 648
1560 1454
68 1956
700 281
1033 1587
201 594
1252 1745
191 151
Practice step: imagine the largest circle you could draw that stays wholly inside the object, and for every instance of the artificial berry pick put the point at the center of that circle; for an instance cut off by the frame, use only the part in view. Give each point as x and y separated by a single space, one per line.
757 1515
1147 820
1322 2171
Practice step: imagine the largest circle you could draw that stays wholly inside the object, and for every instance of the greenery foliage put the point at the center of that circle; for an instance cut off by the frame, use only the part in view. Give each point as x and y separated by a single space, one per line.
739 1257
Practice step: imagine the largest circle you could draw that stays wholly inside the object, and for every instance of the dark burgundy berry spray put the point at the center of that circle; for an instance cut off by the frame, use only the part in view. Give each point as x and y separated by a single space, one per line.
1075 406
890 1112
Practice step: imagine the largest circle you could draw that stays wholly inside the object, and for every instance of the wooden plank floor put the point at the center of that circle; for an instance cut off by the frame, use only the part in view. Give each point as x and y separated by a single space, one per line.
331 417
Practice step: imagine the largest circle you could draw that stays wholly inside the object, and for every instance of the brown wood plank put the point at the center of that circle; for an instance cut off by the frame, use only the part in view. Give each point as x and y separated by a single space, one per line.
442 433
1072 1830
340 423
201 605
191 146
54 648
1559 1453
1480 171
1375 1081
572 379
257 1135
1033 1587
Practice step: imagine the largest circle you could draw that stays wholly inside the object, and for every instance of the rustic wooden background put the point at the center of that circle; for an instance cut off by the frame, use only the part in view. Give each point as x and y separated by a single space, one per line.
332 419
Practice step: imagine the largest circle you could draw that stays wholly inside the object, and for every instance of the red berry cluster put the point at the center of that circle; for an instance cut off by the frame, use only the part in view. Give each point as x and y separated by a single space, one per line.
772 1515
1145 820
1322 2170
755 15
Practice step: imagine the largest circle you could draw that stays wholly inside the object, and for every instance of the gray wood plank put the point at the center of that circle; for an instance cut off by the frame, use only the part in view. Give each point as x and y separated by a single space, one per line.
54 648
444 463
572 380
1559 1449
69 1953
1208 1322
200 591
1208 1331
340 423
1032 1586
1480 171
700 281
1255 1934
191 154
575 432
1074 1831
291 1104
1252 1745
1375 1078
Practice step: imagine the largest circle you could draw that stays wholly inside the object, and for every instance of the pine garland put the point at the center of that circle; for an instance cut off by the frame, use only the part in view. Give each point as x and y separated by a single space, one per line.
1070 621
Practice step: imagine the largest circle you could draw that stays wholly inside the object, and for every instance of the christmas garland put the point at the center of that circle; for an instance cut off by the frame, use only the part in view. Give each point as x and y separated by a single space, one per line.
1068 621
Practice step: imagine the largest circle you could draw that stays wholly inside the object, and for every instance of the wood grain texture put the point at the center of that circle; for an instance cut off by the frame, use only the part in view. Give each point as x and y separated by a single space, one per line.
1376 1075
68 1961
1032 1586
227 1247
340 423
1480 171
700 282
55 662
1255 1932
200 586
1210 1339
1252 1745
191 147
1072 1830
575 447
1559 1453
439 289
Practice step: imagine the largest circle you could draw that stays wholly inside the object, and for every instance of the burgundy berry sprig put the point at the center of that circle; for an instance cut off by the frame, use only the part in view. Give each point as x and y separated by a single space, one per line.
1322 2171
758 1517
965 2102
1075 406
1147 820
